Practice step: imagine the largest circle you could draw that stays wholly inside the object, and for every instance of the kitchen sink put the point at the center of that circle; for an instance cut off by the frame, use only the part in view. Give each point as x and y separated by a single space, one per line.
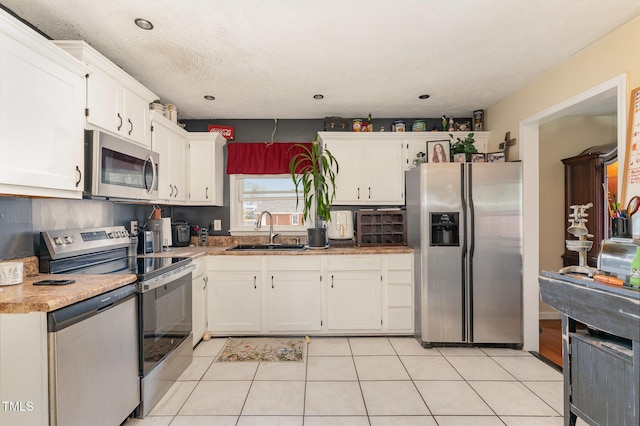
267 247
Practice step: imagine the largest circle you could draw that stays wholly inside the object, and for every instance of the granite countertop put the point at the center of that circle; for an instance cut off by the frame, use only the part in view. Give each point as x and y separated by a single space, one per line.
26 297
194 251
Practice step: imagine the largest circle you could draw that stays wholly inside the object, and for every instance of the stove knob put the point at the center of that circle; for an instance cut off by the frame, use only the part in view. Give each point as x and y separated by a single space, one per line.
57 241
111 234
67 239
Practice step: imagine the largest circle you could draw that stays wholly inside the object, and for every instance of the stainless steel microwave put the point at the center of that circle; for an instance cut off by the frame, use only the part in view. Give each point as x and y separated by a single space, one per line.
116 168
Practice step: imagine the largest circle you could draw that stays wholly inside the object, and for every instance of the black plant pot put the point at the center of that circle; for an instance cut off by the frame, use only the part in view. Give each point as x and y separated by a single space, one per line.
316 237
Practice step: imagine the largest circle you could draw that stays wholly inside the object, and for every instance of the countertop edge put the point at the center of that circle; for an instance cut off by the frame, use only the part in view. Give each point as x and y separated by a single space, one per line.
25 297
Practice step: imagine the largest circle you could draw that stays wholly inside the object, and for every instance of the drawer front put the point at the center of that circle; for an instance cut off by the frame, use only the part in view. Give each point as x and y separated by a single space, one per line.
293 263
234 263
399 262
354 263
400 295
400 277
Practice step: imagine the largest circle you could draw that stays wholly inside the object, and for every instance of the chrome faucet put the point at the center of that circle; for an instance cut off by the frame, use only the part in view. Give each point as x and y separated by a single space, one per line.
272 235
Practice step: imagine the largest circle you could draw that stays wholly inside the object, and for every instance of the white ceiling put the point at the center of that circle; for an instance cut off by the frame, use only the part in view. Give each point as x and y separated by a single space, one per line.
267 58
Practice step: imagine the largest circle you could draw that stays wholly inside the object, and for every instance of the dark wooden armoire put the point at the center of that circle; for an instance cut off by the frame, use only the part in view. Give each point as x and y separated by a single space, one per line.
584 176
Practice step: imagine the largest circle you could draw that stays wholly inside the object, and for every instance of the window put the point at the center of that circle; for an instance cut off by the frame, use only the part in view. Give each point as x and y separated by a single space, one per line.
252 194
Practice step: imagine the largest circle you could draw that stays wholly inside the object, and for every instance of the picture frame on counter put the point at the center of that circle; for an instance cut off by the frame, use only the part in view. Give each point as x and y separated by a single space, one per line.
438 151
496 157
477 157
460 157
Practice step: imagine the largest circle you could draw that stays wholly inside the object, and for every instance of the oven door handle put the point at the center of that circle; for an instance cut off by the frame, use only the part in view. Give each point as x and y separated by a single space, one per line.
164 279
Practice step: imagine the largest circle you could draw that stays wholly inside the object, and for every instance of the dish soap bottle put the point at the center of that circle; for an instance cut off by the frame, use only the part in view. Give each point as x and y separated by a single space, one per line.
370 124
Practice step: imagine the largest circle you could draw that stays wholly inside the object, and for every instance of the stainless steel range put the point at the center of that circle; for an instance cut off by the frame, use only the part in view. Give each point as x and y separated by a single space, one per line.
164 327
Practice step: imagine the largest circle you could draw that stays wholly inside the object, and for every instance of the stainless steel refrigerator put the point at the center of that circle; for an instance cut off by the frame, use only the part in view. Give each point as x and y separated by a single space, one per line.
464 221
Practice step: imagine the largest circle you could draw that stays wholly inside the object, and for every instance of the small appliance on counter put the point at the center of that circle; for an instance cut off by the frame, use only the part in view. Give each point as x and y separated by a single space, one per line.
155 226
616 256
180 233
341 225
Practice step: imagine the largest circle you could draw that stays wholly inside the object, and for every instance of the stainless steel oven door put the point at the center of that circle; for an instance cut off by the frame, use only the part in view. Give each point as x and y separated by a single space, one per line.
165 315
165 334
117 168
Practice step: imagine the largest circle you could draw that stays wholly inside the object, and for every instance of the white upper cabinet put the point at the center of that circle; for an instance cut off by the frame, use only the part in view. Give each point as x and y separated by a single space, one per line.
170 142
206 168
371 171
115 102
42 93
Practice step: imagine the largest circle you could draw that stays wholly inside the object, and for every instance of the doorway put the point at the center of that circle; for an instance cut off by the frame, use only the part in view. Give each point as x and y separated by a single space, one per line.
606 98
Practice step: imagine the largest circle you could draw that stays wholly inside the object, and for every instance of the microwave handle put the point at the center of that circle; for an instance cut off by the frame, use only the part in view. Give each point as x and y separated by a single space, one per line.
153 173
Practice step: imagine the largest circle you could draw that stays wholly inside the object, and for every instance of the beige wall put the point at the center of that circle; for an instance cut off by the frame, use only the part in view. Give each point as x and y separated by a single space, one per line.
597 65
610 56
562 138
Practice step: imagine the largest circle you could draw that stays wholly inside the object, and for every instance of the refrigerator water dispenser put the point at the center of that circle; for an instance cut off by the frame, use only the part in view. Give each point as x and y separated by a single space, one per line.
445 229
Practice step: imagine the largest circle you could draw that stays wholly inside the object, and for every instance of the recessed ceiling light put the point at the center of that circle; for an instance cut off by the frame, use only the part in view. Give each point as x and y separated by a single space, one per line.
318 96
144 24
424 96
209 97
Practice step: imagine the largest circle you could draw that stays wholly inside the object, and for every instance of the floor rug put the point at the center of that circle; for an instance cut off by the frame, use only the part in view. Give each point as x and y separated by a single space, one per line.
262 349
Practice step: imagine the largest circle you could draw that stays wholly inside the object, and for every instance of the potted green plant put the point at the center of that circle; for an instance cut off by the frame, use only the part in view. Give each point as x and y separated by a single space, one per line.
313 170
465 146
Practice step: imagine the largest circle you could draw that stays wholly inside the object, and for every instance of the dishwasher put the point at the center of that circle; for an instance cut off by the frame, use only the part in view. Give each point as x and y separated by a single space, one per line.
93 360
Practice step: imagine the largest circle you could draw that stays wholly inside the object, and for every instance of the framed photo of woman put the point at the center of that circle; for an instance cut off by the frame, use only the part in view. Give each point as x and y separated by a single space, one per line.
438 151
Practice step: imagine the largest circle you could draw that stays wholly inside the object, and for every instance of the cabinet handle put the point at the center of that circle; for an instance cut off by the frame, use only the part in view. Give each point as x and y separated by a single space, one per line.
254 282
369 192
272 282
176 194
79 176
170 190
130 126
120 125
331 281
358 193
206 281
206 192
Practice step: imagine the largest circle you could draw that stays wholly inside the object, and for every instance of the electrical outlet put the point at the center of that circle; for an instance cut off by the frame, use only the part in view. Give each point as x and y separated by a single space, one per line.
217 225
134 227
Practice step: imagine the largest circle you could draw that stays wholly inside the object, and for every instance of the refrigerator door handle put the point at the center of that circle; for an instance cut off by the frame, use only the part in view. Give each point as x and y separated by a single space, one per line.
464 250
472 246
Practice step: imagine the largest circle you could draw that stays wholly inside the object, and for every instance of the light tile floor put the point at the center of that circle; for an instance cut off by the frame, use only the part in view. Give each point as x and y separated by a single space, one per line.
365 381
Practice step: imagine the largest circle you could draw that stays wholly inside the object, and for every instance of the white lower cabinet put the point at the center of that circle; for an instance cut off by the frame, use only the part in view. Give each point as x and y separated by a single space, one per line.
235 294
355 289
399 279
294 294
199 299
310 294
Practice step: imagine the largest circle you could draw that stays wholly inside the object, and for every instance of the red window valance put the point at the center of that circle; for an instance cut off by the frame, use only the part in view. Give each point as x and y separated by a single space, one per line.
258 158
